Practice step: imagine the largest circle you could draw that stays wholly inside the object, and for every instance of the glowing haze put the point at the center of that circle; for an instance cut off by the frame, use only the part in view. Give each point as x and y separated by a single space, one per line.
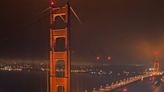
129 31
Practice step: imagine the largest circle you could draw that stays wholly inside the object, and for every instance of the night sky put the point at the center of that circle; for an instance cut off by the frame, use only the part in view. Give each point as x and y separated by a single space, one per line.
129 31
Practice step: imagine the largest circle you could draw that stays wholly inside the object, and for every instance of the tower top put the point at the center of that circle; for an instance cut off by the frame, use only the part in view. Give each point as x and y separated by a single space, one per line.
157 53
58 3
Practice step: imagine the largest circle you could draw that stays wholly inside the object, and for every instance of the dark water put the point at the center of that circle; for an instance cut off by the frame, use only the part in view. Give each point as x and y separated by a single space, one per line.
23 82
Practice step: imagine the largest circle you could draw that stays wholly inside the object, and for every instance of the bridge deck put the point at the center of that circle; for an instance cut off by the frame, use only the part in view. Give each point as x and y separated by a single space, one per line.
121 83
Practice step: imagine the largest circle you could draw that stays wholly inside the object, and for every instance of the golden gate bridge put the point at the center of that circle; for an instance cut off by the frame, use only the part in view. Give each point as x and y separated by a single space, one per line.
60 53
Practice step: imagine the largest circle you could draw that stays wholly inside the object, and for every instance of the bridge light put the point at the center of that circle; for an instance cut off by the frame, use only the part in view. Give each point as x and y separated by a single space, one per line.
53 3
98 58
109 58
125 90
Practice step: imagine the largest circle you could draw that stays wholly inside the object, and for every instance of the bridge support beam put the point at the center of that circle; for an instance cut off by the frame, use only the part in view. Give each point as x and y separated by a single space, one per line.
59 50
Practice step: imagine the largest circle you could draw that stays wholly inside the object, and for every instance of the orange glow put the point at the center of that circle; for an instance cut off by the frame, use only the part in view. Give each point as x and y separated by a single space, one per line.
157 53
162 79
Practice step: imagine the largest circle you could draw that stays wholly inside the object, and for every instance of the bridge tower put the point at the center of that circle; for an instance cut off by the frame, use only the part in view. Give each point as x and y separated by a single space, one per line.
156 64
59 48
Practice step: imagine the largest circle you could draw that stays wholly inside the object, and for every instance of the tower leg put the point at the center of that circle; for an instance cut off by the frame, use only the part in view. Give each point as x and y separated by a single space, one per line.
59 51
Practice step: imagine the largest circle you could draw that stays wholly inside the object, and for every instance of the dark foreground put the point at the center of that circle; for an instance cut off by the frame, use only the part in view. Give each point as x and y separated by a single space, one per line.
23 82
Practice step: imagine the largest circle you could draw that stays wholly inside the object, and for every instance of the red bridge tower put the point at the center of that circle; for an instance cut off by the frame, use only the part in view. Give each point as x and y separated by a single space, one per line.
156 64
59 48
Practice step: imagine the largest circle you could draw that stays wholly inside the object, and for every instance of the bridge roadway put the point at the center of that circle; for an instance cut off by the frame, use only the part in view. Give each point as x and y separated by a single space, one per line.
130 84
141 86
